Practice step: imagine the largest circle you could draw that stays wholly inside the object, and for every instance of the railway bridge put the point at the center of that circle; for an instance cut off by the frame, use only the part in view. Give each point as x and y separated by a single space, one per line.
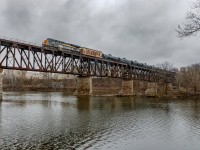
20 55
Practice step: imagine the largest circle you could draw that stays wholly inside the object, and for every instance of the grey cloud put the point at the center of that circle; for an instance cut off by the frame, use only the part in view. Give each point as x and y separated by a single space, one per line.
141 30
19 16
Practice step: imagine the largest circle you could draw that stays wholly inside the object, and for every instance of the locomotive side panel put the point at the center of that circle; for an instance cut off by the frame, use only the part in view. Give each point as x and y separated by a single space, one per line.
60 45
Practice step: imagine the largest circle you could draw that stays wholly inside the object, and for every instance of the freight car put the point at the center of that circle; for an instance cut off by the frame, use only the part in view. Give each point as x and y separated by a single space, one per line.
90 52
124 60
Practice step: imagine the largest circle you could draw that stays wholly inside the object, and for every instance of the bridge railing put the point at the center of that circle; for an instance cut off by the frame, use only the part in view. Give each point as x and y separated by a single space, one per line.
20 41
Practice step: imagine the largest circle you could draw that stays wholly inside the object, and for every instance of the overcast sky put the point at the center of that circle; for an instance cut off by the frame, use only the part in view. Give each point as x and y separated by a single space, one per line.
142 30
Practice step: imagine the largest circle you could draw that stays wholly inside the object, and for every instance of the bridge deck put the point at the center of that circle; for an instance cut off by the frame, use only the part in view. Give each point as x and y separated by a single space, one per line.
26 56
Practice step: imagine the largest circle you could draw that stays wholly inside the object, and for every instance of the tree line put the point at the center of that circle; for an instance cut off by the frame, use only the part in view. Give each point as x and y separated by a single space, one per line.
187 79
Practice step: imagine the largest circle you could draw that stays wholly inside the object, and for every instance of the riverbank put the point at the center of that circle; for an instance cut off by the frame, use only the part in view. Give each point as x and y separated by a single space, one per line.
101 87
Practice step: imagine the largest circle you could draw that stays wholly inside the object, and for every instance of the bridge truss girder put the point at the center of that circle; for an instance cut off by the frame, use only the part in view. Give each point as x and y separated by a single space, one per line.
21 56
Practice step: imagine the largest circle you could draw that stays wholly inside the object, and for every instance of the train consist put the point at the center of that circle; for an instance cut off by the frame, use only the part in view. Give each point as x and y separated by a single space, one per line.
62 46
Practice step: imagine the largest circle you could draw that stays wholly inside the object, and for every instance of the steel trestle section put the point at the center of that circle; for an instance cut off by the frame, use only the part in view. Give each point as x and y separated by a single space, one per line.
22 56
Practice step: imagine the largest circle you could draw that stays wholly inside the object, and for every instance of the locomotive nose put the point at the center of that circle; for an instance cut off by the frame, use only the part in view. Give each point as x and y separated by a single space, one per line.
45 42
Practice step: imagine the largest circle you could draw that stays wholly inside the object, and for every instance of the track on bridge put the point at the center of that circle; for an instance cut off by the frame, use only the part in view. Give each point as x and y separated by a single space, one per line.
19 55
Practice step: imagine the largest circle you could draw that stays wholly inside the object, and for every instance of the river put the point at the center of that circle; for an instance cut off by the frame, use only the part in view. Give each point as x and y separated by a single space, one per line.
55 120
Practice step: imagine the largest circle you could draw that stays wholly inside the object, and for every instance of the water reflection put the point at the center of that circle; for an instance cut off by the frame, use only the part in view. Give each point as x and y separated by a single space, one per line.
83 103
60 121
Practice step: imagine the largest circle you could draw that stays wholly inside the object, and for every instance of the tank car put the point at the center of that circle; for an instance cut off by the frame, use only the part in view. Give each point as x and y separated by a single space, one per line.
124 60
110 57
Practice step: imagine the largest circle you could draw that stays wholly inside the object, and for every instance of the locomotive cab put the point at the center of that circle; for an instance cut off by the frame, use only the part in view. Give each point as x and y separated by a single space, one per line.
45 43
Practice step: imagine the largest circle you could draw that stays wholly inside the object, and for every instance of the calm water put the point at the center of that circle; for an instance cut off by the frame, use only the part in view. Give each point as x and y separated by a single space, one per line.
58 121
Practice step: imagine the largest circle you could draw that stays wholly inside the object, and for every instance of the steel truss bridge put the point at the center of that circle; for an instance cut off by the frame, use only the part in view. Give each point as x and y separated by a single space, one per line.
19 55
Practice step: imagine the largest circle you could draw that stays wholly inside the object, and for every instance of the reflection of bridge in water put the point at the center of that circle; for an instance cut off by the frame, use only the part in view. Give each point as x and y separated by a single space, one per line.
31 57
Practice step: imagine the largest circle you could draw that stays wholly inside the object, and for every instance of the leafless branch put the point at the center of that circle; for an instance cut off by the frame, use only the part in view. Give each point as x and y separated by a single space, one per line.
192 24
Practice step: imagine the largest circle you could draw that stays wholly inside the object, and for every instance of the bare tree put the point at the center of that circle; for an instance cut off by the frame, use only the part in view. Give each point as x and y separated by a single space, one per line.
194 74
166 66
189 77
192 24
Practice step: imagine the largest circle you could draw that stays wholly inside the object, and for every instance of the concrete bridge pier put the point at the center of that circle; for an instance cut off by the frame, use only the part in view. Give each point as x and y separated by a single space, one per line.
127 87
165 89
152 89
143 86
169 89
83 85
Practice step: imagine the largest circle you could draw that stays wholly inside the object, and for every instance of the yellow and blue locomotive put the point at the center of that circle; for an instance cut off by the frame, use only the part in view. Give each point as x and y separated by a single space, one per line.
60 45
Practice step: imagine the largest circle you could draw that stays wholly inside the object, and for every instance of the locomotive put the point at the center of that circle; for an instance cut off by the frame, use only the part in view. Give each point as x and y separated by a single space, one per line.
59 45
63 46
